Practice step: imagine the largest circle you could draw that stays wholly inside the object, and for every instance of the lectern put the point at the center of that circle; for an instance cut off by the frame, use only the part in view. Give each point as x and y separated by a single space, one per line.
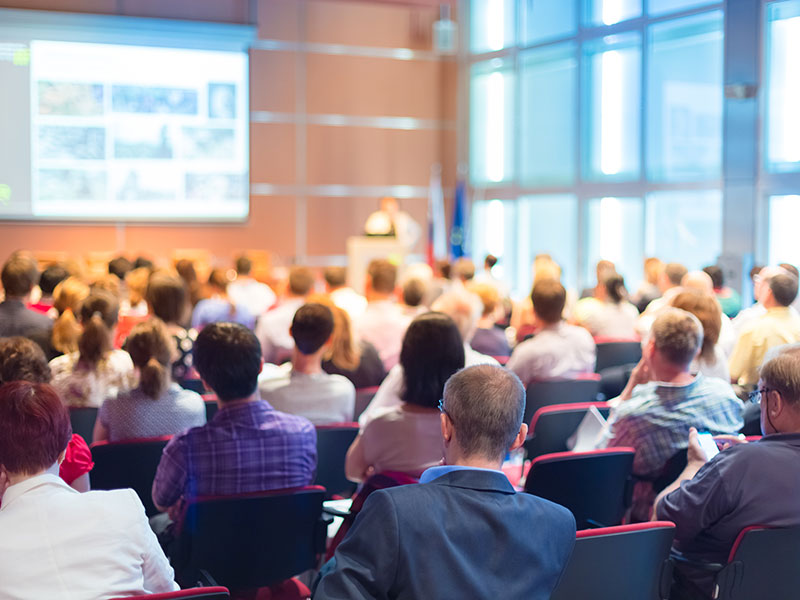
363 249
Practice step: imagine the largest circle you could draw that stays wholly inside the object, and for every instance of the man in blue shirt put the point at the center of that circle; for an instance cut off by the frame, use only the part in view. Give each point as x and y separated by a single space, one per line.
463 532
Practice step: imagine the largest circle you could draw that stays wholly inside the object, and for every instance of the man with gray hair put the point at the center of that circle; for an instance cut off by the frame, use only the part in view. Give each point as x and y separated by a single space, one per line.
662 400
463 532
745 484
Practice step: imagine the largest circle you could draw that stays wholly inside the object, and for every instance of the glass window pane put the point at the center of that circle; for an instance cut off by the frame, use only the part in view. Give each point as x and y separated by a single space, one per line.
685 227
548 78
608 12
491 134
783 86
612 107
544 20
684 117
614 232
784 214
491 25
662 7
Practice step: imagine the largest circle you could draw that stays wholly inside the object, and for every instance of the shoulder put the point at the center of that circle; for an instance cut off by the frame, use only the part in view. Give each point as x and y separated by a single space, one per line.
120 359
577 333
63 362
715 387
292 423
341 383
121 505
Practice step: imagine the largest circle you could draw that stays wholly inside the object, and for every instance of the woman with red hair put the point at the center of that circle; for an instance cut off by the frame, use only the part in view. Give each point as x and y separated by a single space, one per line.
55 541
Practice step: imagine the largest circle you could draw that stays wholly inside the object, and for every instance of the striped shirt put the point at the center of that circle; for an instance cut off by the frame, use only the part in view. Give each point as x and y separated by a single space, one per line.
247 447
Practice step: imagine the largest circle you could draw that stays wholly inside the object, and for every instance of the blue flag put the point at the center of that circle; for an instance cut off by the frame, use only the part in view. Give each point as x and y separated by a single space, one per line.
458 232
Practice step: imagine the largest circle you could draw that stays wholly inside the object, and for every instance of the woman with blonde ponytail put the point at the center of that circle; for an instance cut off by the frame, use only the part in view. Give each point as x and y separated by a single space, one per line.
67 298
95 371
157 406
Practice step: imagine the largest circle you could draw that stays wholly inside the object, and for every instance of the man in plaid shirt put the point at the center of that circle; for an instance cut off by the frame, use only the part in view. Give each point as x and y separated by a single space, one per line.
662 400
248 446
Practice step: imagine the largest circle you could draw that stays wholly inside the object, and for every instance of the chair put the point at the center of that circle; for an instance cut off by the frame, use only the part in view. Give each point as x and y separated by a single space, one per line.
202 593
83 420
762 564
128 464
616 353
596 485
251 541
629 561
565 391
332 444
211 406
363 397
552 426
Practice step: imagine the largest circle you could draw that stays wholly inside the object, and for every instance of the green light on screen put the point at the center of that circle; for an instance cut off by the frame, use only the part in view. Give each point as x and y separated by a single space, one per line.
5 194
22 58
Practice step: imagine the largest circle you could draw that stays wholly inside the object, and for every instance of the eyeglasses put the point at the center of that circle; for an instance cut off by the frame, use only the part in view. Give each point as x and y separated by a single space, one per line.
755 395
443 410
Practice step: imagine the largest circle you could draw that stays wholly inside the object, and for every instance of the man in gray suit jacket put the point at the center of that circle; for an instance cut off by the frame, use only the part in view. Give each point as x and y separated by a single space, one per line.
463 532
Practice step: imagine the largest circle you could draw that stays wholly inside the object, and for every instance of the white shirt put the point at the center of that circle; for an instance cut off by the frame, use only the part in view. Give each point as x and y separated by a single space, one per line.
383 325
350 301
62 545
560 351
255 296
272 330
718 368
321 398
611 320
81 385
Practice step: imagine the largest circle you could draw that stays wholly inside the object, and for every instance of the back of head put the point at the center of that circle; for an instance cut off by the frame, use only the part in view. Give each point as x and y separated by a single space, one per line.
312 326
698 280
20 273
142 262
414 291
108 283
717 277
69 294
707 310
186 270
67 298
442 268
335 277
489 295
784 288
228 358
549 297
382 276
615 288
652 269
485 404
675 272
119 266
791 268
464 269
34 427
22 360
51 277
545 268
432 351
343 352
98 315
490 261
677 335
301 280
243 265
137 284
168 297
151 349
782 373
463 307
604 269
218 278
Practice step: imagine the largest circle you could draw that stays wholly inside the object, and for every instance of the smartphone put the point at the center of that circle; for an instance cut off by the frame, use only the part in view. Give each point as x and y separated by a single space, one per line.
708 444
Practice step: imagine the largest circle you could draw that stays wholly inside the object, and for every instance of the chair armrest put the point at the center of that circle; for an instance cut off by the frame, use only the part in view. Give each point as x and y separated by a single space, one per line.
333 512
679 559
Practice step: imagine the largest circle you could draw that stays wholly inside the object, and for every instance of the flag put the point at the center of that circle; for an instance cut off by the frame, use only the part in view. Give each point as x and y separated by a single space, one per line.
458 232
437 236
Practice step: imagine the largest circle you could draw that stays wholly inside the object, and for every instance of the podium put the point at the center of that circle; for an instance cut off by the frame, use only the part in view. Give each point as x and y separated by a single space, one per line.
361 250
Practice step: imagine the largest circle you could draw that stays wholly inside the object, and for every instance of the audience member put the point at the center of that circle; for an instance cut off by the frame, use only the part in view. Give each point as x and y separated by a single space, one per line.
608 314
157 406
749 314
383 322
463 532
136 283
248 446
23 360
439 283
186 270
463 270
306 389
729 299
465 309
341 294
413 293
95 371
67 299
50 278
218 307
273 327
779 325
246 291
119 266
57 542
662 400
404 435
648 289
603 270
523 320
745 484
487 275
792 270
142 262
167 299
19 276
558 350
711 361
669 285
489 339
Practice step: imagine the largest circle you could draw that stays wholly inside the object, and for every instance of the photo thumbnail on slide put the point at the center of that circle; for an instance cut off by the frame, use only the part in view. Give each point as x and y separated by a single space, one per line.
122 132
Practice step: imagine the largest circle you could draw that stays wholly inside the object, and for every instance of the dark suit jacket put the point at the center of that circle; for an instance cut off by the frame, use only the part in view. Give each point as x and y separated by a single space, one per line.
465 535
16 319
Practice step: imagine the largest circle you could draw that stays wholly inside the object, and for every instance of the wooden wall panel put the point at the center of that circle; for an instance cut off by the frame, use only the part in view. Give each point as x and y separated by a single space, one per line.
272 80
272 156
228 11
278 19
88 6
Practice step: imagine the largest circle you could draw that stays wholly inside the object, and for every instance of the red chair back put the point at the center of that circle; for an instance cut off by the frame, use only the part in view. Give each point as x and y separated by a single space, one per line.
628 561
333 441
552 426
202 593
583 388
596 486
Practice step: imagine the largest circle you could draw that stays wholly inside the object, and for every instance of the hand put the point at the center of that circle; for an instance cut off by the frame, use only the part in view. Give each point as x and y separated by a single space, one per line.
641 373
726 441
695 455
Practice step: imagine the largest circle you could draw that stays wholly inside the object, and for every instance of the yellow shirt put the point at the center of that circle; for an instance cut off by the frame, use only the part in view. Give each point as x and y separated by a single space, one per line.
779 326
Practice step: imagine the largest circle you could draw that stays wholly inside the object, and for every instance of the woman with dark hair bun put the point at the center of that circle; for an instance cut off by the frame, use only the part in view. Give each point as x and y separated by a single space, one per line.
407 438
57 542
609 314
96 371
